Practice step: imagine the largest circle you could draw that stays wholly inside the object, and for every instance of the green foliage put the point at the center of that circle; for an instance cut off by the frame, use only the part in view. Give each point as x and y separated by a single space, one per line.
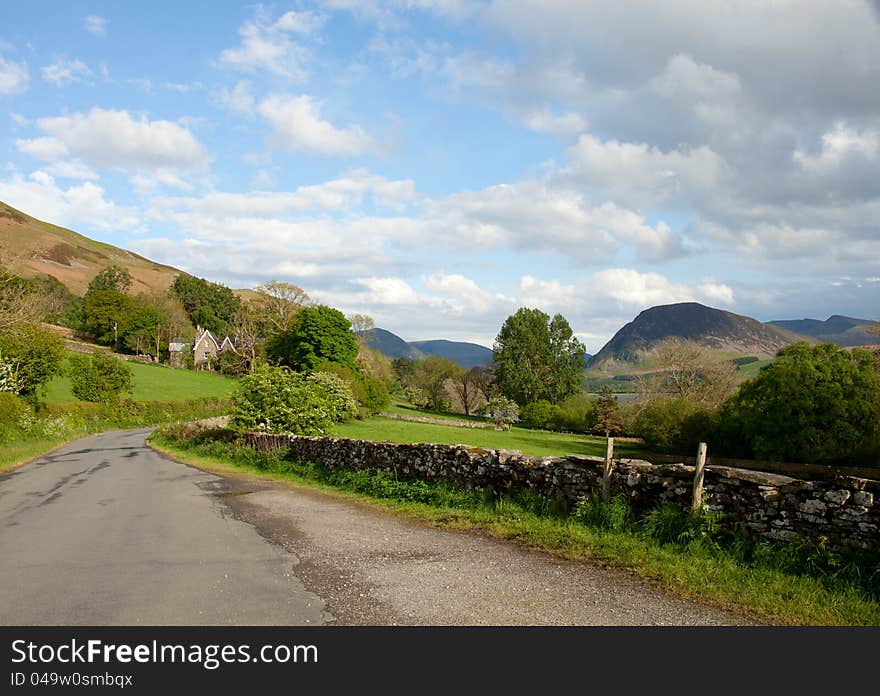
318 334
541 415
99 377
812 404
537 357
608 420
35 354
338 393
674 424
668 523
614 514
12 408
105 312
430 375
371 394
376 397
207 304
115 278
277 400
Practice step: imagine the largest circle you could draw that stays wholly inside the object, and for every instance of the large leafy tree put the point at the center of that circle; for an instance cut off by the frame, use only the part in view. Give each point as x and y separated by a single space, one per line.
34 355
813 404
318 334
537 357
210 305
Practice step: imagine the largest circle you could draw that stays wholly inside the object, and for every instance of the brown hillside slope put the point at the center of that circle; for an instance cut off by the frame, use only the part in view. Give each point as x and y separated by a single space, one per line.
30 247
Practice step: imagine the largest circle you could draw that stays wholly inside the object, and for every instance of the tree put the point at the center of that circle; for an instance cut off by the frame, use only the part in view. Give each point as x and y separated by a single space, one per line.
484 379
99 377
319 334
502 411
278 302
537 357
105 313
431 375
690 371
111 278
35 356
607 413
466 386
812 404
20 303
210 305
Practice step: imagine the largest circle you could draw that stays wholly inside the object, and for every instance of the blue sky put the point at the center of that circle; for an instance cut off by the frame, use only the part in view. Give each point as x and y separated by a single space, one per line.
438 163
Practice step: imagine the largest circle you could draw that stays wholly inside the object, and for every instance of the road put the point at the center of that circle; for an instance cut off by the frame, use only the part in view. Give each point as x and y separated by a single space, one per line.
107 532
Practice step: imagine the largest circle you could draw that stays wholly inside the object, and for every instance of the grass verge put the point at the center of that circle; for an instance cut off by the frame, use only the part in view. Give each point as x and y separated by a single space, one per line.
16 453
784 586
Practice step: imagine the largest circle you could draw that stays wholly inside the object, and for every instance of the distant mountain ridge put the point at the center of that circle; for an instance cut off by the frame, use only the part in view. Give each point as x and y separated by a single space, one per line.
713 328
844 331
465 354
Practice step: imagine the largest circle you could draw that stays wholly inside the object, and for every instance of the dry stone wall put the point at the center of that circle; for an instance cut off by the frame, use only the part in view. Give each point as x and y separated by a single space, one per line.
843 512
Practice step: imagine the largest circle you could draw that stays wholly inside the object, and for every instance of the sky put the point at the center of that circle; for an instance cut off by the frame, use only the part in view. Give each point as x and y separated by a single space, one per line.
437 164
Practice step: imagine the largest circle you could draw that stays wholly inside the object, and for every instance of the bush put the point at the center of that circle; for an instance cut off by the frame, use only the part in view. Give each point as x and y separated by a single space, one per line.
36 356
541 415
12 408
613 514
376 397
673 424
279 400
99 377
338 395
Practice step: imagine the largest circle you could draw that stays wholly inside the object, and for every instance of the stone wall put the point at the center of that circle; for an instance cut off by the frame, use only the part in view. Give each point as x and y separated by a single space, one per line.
841 512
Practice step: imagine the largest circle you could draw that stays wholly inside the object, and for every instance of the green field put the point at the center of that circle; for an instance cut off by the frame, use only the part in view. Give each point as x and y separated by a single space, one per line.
751 370
157 383
531 442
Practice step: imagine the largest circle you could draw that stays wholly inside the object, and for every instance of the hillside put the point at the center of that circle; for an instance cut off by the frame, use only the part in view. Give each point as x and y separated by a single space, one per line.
713 328
30 247
391 345
465 354
844 331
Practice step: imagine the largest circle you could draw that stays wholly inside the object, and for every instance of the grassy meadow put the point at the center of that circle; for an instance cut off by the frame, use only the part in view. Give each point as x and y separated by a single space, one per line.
157 383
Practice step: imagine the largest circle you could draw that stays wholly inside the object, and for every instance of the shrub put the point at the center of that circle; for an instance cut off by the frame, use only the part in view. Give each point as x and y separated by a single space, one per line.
12 408
376 397
279 400
99 377
502 411
673 424
36 354
541 415
338 395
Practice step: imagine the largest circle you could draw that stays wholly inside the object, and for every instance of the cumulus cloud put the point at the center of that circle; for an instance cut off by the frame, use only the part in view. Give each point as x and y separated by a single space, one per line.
240 98
117 140
81 205
95 24
297 126
64 72
14 76
43 148
276 46
838 144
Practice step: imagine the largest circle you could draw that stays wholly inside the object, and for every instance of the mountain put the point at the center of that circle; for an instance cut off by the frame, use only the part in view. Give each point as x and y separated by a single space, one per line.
713 328
844 331
30 247
465 354
391 345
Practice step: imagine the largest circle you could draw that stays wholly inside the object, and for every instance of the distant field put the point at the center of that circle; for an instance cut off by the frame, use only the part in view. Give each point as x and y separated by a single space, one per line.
157 383
751 370
531 442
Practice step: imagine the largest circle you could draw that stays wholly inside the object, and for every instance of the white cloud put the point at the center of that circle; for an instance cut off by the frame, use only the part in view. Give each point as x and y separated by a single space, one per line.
298 126
116 140
13 76
43 148
71 169
838 144
63 72
240 98
77 206
94 24
269 46
19 119
546 121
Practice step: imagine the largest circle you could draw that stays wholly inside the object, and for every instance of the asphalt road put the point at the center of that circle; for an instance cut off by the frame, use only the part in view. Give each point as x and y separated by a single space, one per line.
107 532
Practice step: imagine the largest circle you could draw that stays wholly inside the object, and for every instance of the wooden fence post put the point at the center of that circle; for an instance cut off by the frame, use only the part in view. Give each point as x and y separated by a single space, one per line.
606 471
698 478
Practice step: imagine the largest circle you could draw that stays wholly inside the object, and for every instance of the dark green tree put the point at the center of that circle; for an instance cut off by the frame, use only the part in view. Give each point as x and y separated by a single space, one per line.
537 357
105 314
812 404
318 334
99 377
207 304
